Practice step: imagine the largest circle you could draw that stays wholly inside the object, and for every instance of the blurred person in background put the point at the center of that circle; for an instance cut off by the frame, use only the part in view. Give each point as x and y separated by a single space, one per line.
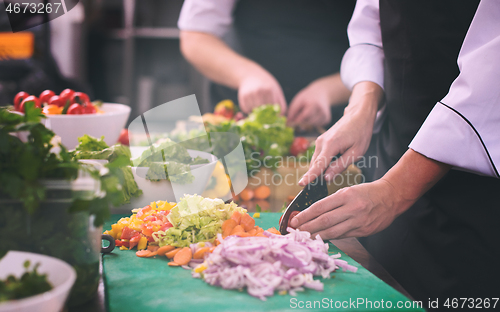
287 52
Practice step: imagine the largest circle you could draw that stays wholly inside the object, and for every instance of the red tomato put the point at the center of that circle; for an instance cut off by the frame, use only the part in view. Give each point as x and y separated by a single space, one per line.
123 139
46 95
150 218
299 145
80 98
75 109
30 98
128 233
66 95
89 109
56 100
19 98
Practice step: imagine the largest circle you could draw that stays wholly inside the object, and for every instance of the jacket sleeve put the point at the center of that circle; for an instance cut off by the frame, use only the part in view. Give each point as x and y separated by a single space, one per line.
209 16
463 129
364 60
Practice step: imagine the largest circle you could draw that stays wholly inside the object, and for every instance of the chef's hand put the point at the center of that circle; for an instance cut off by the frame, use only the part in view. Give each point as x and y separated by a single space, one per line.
366 209
350 136
258 88
311 106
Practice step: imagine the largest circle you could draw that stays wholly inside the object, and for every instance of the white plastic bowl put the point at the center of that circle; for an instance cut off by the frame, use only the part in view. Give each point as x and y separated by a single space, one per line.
60 274
164 189
109 124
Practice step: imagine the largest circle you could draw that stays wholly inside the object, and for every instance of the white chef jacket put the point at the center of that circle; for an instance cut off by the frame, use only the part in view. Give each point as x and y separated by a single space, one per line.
209 16
463 129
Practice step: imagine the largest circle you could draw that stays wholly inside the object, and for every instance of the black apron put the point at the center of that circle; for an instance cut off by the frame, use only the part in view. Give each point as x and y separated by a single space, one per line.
447 245
297 41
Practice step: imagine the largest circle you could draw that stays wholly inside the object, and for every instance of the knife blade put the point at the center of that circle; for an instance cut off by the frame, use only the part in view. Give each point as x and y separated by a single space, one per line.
310 194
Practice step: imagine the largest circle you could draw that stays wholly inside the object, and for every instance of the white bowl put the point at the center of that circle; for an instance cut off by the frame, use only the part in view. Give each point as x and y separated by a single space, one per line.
164 189
109 124
60 274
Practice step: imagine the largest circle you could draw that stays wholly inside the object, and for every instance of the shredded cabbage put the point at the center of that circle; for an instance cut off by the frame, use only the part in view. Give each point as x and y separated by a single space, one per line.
195 219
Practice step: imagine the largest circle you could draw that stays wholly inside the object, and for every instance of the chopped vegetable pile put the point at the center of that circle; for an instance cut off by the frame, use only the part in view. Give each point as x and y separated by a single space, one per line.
265 264
31 283
195 219
137 230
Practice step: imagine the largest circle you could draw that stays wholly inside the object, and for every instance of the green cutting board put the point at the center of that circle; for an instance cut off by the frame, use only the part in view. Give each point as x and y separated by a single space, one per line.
149 284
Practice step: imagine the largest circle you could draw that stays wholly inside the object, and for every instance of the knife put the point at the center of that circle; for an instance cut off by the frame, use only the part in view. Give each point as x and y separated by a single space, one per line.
310 194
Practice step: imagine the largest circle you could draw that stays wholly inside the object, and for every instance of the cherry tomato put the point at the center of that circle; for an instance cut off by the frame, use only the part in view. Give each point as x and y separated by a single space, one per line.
56 100
89 109
299 145
123 139
30 98
66 95
80 98
75 109
46 95
19 98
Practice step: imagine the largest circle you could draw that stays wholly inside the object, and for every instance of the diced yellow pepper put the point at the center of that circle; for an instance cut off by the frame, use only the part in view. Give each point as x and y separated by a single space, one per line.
256 215
200 268
123 248
143 243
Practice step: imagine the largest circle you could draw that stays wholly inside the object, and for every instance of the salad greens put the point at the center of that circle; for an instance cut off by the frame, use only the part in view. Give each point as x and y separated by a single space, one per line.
119 155
29 284
169 160
195 219
264 136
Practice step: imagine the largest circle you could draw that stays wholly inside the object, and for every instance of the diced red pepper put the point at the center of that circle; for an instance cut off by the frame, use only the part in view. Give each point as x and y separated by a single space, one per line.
141 212
128 233
166 226
118 243
151 218
135 240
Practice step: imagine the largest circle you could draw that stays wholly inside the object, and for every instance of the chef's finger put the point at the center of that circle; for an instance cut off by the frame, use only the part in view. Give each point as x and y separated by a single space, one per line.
316 210
280 99
293 112
324 222
319 165
340 164
340 230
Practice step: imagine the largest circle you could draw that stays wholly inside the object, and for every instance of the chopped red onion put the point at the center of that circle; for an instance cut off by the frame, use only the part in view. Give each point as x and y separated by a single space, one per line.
265 264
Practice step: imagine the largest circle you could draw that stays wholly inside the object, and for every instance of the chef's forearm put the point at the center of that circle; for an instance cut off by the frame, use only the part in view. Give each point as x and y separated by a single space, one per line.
214 59
366 98
412 176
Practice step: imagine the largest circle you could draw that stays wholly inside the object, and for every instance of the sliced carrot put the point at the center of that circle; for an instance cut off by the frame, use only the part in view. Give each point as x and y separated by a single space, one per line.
252 232
163 250
228 226
237 229
200 253
274 231
172 253
259 229
153 248
152 254
242 234
183 256
247 222
262 192
212 249
172 263
260 235
142 253
246 194
236 217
